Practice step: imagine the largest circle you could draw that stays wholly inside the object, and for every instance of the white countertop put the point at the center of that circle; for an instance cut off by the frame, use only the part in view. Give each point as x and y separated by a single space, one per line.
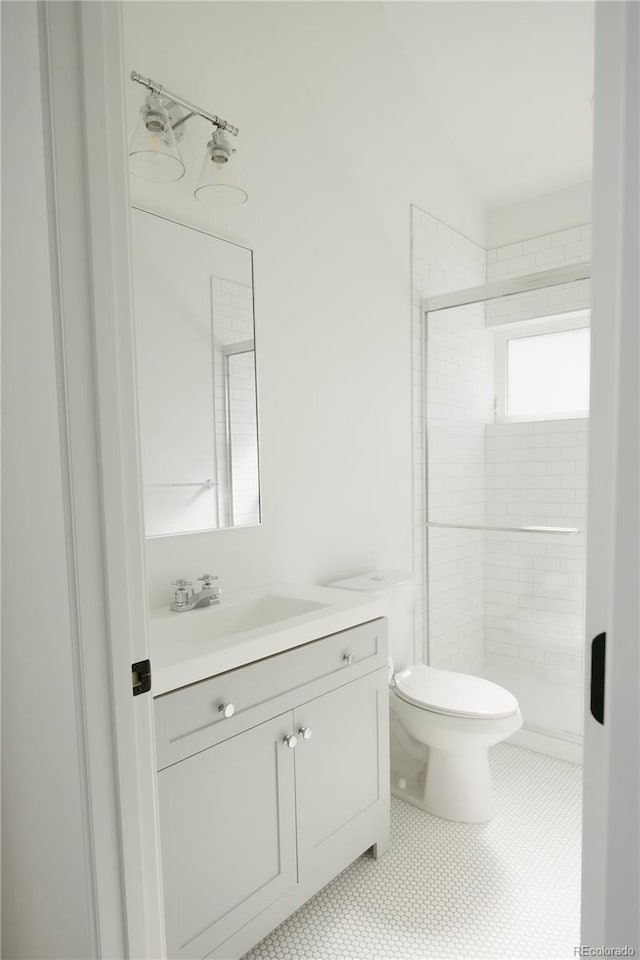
191 646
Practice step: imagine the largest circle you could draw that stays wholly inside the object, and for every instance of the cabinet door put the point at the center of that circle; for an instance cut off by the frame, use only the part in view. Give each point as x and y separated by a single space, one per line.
227 822
342 774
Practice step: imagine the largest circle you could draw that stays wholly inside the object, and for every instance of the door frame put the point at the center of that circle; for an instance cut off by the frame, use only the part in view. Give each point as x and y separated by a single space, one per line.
82 76
84 85
611 843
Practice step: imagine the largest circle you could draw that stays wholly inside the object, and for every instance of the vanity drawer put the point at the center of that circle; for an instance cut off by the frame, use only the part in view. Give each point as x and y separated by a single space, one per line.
190 719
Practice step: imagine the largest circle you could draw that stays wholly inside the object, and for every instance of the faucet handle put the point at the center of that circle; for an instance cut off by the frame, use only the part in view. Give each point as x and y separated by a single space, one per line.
182 595
207 580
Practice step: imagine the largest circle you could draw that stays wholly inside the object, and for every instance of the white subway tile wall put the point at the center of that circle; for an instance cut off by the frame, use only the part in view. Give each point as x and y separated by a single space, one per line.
536 473
548 302
496 599
561 249
531 256
534 584
457 396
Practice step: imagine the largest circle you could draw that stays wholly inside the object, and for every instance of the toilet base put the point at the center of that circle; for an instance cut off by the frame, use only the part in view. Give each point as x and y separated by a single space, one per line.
458 786
454 786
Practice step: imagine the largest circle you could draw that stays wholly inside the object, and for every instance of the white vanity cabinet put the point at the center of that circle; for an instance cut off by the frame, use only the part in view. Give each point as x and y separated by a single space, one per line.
252 825
228 836
338 770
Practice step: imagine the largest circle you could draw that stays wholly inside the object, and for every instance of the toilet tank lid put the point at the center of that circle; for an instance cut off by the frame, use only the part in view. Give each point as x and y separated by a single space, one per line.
375 580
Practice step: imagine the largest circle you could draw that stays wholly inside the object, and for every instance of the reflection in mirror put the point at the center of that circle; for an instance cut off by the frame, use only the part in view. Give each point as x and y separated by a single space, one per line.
193 302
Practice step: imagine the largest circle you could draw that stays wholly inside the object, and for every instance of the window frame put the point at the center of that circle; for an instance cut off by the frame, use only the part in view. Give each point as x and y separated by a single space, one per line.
538 326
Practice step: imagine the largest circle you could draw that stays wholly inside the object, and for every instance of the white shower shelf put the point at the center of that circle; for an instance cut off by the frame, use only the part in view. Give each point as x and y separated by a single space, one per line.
565 531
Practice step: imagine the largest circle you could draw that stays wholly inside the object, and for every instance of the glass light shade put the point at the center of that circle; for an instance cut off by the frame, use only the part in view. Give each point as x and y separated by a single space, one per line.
218 184
154 153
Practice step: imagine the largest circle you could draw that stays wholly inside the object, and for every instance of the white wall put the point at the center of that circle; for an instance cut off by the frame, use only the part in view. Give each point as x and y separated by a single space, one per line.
539 216
334 155
46 911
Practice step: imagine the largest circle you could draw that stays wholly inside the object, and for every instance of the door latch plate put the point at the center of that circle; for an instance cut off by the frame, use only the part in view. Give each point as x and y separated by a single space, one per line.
141 677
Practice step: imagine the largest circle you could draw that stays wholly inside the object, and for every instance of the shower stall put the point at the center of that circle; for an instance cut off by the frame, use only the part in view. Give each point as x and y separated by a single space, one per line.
506 401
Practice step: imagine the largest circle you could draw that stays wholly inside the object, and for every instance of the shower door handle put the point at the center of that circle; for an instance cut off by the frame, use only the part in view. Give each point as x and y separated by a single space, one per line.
598 648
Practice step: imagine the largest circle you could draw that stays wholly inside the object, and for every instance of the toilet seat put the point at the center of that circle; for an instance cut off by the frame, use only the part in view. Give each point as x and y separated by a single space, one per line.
454 694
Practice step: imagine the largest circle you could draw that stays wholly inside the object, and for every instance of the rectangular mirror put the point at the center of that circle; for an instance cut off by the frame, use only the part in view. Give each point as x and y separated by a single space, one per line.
197 396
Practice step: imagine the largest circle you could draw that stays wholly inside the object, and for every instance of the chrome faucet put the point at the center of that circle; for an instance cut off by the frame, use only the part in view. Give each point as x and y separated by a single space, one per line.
185 599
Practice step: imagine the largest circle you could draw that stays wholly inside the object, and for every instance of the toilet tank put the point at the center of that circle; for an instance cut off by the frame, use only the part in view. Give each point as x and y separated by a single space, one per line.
398 587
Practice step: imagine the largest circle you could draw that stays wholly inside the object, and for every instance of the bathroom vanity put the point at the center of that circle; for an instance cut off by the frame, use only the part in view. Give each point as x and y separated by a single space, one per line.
272 775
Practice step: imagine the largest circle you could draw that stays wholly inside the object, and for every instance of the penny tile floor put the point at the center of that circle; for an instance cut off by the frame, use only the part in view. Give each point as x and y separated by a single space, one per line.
498 891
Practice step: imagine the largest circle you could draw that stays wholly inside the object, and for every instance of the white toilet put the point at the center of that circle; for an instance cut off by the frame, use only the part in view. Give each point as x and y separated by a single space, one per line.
442 722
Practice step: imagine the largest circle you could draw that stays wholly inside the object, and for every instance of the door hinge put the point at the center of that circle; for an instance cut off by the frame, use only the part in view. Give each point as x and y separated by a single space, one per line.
141 677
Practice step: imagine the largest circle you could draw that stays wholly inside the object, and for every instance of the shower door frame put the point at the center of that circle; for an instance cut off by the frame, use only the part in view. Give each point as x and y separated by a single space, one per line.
506 288
466 297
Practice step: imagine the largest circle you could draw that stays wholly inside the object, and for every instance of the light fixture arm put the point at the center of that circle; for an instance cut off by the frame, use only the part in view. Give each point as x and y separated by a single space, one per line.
183 119
191 108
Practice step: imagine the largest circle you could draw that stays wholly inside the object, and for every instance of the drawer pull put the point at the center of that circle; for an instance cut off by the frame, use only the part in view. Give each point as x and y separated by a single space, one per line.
227 710
348 658
306 733
291 741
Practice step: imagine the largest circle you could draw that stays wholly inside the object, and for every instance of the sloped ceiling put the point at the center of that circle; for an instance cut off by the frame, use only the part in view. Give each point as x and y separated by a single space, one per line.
512 83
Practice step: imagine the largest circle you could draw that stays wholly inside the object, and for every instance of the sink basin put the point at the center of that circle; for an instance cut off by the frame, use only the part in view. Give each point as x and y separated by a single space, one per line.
248 615
248 626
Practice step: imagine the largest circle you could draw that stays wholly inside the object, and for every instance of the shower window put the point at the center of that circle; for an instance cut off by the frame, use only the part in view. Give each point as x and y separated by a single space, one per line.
542 370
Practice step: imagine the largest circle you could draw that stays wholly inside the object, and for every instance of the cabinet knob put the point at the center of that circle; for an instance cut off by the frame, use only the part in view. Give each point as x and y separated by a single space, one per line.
306 733
226 709
291 741
348 658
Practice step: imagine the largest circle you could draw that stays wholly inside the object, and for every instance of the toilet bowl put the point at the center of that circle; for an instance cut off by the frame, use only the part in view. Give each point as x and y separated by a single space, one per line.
456 718
442 722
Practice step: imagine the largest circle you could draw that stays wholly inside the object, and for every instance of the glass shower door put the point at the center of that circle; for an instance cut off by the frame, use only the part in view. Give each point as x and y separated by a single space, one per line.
507 431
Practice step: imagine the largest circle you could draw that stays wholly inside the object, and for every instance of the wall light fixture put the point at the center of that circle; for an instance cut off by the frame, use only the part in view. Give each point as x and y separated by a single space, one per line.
215 186
154 153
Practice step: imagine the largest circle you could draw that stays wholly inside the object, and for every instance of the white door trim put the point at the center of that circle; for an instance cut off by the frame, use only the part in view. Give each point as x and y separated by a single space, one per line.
90 246
611 855
88 157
